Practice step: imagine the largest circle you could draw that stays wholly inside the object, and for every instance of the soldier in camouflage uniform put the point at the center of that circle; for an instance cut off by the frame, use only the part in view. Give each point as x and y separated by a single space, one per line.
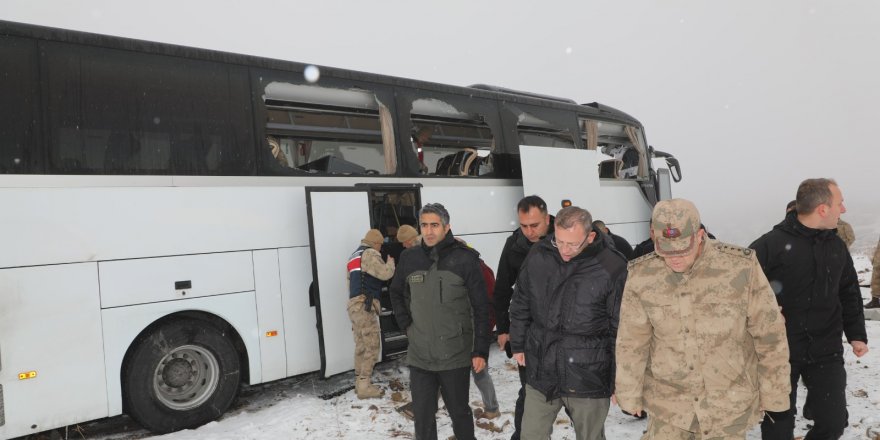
366 272
701 344
875 281
845 232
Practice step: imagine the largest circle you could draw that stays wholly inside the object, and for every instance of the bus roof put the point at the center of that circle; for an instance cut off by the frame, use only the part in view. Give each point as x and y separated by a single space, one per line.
8 28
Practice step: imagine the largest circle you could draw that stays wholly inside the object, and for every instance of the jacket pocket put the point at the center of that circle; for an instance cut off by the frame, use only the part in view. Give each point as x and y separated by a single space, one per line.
450 343
724 322
666 320
587 371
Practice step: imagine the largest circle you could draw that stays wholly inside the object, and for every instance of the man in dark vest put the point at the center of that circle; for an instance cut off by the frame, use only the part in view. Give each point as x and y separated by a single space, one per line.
366 272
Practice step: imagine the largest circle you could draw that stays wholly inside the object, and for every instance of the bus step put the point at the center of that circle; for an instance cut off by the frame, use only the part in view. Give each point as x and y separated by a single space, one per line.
395 338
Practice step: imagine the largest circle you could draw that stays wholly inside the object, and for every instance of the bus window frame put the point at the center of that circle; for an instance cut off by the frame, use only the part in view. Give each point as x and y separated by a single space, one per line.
561 119
267 165
645 165
406 97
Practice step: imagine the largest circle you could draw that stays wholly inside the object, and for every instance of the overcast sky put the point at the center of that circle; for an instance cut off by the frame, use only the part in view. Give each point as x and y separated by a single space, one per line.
753 96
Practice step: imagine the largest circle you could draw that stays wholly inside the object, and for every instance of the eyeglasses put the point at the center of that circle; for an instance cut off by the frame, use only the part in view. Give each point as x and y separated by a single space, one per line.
569 246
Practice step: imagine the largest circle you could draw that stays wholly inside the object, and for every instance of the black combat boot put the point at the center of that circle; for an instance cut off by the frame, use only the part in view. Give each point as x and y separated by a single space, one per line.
873 304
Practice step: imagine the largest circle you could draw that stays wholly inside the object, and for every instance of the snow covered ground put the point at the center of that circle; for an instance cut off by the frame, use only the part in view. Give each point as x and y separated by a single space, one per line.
292 408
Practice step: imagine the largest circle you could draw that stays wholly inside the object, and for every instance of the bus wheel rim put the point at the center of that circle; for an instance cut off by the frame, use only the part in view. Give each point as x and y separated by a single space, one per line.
186 377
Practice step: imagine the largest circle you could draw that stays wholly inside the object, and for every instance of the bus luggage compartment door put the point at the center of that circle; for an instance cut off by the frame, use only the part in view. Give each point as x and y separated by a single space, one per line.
52 368
338 220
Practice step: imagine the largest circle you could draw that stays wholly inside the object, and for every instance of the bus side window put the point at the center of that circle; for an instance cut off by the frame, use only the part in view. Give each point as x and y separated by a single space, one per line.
541 132
451 142
165 117
325 130
19 120
620 145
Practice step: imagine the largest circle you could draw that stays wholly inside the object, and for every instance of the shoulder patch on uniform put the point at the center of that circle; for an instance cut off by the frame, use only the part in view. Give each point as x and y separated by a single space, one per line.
733 249
642 259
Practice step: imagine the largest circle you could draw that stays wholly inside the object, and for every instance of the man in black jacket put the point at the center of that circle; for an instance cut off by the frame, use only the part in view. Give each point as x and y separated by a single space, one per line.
534 224
620 243
816 286
564 318
439 297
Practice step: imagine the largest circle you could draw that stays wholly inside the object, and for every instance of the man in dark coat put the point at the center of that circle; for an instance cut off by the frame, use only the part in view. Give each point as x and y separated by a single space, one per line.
534 224
816 286
439 298
564 318
620 243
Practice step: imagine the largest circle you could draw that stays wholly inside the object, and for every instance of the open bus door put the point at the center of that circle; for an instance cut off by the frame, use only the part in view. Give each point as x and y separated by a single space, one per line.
560 174
338 220
565 174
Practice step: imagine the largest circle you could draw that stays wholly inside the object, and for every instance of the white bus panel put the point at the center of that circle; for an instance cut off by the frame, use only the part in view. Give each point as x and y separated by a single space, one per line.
300 319
145 280
270 314
566 174
92 224
123 324
338 220
50 326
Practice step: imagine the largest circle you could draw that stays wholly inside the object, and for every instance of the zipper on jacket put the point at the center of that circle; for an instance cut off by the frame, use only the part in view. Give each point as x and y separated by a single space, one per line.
440 282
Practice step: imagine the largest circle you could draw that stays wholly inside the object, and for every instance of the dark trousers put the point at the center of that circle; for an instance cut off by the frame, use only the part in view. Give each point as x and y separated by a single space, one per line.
454 386
826 395
520 404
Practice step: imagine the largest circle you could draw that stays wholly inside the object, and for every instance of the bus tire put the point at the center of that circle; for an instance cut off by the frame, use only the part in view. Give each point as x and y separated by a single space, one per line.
183 374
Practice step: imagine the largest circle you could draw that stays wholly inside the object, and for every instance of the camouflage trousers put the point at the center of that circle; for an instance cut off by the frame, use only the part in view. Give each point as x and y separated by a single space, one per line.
660 430
365 329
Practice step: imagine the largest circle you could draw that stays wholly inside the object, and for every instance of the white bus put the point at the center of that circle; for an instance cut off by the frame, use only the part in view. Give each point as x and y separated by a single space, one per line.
176 221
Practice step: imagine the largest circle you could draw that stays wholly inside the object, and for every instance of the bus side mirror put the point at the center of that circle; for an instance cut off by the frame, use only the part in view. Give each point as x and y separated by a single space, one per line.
674 168
671 162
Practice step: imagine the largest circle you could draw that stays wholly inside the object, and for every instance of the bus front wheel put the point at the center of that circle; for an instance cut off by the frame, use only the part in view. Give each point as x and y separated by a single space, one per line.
181 375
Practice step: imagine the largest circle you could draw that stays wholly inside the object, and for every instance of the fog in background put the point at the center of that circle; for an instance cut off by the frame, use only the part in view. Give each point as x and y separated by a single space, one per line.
752 96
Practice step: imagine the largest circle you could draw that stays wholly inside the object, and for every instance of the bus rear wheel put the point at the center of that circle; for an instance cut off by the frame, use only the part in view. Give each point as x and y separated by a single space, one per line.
181 375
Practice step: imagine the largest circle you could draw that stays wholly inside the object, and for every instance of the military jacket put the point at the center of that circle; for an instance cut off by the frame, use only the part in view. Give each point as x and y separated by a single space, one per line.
367 271
875 275
709 342
846 233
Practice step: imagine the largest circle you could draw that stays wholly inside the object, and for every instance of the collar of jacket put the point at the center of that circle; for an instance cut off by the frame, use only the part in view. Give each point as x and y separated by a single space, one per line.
792 225
445 246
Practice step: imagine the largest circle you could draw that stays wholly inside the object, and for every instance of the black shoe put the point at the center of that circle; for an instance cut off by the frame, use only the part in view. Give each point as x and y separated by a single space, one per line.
642 416
407 411
873 304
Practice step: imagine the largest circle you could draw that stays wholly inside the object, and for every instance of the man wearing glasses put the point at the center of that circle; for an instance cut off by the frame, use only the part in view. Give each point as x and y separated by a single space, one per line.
564 316
701 344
